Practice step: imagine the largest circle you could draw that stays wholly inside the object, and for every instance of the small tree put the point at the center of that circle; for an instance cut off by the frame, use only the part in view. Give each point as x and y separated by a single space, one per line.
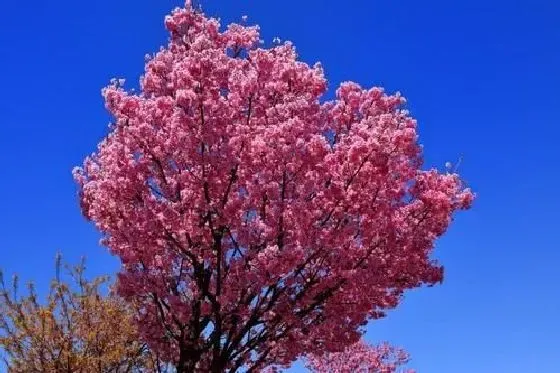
360 357
78 329
254 222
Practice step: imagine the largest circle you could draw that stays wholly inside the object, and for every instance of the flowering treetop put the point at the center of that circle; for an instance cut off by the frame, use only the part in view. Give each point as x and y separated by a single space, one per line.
360 358
255 222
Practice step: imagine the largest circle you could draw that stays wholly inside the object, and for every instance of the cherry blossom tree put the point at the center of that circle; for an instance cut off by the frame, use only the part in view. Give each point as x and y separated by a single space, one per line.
360 357
256 222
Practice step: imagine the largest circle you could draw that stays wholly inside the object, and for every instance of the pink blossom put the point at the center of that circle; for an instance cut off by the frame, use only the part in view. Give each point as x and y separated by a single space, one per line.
360 358
255 222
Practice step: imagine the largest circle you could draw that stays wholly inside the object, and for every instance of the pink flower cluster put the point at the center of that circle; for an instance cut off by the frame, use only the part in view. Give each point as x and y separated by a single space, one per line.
254 222
360 358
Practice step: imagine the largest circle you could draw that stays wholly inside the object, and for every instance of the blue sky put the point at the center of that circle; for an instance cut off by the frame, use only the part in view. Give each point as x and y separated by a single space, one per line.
481 77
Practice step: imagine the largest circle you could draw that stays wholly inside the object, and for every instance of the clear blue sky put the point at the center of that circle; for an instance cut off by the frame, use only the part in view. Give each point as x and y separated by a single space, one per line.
481 76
